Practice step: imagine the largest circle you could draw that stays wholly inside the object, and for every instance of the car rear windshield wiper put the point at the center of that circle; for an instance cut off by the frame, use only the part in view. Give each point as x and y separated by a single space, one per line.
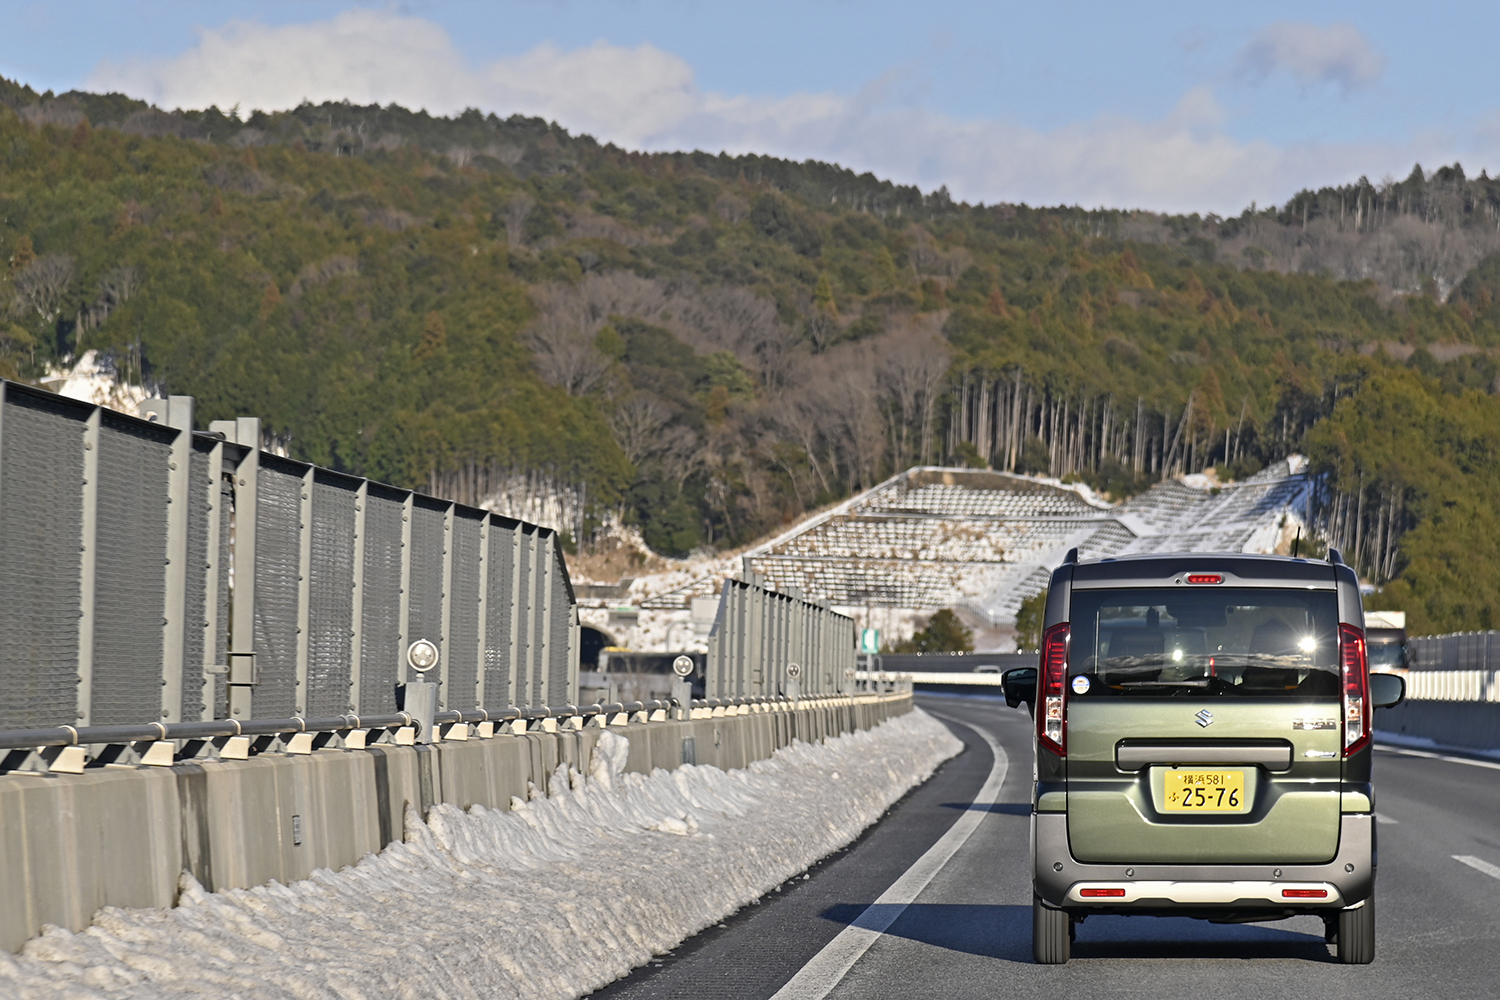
1195 682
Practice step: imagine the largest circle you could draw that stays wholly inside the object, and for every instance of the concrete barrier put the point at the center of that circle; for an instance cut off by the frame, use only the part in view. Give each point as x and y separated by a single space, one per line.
1473 725
121 836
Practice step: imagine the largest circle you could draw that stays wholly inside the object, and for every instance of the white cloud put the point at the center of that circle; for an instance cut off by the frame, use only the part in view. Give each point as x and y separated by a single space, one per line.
366 56
646 98
1338 54
370 56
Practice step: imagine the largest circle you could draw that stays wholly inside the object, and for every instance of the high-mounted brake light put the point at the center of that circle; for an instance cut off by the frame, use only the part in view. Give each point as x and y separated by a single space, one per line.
1356 676
1304 893
1052 691
1101 893
1205 578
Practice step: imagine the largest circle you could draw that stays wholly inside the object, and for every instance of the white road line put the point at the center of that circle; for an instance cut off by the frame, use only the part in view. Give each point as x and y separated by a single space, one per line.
1383 818
1479 864
827 968
1492 765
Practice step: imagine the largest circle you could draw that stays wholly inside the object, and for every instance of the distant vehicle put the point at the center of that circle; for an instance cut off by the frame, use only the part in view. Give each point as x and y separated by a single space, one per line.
1203 744
987 668
1385 632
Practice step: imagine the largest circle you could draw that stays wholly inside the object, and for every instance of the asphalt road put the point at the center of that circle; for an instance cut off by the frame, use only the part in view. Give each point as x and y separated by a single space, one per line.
966 930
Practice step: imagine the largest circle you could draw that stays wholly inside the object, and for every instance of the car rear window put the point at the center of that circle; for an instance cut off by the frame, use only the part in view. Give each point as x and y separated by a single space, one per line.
1223 641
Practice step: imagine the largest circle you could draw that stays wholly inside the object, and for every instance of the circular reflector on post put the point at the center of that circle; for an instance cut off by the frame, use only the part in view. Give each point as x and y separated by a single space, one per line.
793 670
682 666
422 655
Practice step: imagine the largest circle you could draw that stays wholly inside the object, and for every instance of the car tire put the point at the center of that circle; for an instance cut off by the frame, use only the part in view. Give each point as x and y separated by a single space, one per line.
1051 934
1356 945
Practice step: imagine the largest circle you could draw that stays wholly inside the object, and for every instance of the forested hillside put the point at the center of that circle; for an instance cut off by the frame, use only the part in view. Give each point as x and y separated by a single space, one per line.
711 345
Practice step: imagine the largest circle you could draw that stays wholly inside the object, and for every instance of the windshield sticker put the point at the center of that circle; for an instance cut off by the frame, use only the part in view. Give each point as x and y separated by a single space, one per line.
1080 684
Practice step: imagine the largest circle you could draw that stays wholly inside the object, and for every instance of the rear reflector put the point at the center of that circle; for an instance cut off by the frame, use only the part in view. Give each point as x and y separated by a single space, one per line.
1304 893
1097 893
1205 578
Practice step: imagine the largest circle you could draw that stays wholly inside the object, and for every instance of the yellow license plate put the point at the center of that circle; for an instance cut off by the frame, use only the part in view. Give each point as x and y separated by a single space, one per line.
1205 791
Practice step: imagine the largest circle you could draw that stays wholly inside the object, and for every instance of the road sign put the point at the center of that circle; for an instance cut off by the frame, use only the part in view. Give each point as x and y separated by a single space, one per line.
869 640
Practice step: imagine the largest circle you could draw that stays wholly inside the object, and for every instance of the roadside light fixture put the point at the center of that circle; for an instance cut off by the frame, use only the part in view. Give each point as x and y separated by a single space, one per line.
422 655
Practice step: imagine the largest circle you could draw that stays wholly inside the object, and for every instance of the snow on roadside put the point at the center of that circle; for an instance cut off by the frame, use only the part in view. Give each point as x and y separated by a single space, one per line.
552 898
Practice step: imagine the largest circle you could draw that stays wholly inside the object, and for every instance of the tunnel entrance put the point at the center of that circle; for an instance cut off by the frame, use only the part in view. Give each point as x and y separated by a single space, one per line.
591 642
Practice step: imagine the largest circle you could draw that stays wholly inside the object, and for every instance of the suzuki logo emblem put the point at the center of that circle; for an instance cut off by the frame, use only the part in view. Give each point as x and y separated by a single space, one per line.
1205 718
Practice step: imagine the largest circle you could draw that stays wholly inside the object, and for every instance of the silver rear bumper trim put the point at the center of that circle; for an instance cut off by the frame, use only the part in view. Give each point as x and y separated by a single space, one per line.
1351 873
1207 893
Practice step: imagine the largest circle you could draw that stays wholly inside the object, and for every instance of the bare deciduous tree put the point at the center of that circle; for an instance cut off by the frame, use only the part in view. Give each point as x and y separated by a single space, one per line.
860 433
774 350
914 361
682 453
43 286
636 424
517 210
801 416
566 354
1403 253
731 208
707 320
117 286
820 327
922 252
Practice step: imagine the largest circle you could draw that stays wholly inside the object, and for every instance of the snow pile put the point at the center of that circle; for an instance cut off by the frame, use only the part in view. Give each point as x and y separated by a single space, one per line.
552 898
93 381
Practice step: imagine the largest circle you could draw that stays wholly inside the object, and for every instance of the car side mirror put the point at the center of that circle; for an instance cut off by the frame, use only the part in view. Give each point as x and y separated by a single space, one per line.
1386 690
1019 684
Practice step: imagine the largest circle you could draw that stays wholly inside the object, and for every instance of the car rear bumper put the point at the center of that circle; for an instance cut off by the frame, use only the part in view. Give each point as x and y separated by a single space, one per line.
1060 880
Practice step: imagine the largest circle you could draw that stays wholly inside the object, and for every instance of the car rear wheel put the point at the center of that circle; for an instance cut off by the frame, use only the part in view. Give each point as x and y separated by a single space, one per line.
1051 934
1357 934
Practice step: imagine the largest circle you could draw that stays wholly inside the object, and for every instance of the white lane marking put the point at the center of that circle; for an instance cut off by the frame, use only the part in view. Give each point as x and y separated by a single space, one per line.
1492 765
827 968
1479 864
1383 818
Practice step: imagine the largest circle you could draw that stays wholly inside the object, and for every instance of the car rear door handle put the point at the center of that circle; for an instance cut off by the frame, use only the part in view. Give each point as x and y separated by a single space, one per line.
1134 756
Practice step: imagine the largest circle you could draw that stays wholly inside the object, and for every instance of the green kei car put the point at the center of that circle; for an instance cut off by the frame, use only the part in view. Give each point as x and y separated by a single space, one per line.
1203 729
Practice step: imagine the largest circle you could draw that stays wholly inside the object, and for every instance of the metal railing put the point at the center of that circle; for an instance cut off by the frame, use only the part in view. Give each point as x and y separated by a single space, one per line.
156 576
70 749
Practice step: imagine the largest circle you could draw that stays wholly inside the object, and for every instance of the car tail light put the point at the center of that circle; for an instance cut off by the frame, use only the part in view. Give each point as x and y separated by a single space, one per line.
1205 578
1304 893
1101 893
1356 672
1052 691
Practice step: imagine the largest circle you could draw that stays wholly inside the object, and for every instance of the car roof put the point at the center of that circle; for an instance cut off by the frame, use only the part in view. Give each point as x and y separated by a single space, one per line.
1235 567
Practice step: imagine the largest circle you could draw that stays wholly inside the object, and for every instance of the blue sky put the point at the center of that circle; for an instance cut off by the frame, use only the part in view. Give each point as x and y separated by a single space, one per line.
1177 106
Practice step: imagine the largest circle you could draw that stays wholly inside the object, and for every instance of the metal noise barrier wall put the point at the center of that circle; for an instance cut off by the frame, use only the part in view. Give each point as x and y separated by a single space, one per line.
766 643
1456 651
149 573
